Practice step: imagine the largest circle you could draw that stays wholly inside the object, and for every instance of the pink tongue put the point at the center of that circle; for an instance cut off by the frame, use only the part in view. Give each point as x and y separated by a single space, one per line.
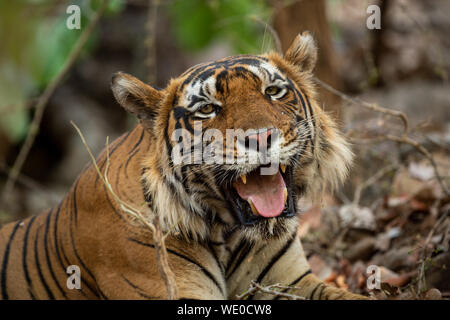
265 192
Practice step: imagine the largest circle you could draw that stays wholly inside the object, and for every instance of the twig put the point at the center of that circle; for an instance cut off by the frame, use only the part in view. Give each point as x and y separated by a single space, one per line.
162 261
402 139
421 277
158 238
371 106
272 31
45 97
255 287
426 153
31 184
377 176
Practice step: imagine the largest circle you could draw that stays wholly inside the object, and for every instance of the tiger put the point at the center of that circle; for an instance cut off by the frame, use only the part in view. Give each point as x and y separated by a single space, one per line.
226 225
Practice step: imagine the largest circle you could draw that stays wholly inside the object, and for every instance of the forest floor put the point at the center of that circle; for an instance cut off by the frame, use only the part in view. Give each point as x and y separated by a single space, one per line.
392 218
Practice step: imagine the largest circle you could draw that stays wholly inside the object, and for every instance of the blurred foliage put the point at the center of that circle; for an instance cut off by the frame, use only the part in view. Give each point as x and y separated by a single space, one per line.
36 41
35 45
197 23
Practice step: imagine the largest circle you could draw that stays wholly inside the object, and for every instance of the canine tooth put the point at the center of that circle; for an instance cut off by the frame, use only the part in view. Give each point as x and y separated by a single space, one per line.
283 167
253 207
244 178
285 195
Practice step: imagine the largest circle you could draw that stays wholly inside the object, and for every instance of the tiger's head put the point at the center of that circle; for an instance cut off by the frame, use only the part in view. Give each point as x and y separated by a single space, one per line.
236 142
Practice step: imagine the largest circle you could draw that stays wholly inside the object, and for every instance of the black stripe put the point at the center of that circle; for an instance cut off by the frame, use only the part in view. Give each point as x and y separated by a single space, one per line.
304 106
214 254
120 140
134 151
313 123
55 237
339 296
274 260
168 145
202 268
38 266
243 254
234 254
74 200
217 243
80 260
202 72
100 292
314 290
321 291
47 255
293 283
24 258
84 266
139 291
147 195
59 246
5 260
103 296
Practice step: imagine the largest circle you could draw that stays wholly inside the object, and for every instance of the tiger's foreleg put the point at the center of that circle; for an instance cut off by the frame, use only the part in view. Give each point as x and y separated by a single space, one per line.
309 286
312 288
285 264
130 271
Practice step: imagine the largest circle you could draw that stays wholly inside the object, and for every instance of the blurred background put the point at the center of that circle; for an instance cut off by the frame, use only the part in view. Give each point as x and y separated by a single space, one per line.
393 212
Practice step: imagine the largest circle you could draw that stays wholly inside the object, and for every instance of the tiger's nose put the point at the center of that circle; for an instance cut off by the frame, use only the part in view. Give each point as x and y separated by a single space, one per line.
259 140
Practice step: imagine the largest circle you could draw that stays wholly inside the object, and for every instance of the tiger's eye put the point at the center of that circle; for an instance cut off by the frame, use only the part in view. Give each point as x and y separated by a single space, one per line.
272 90
207 108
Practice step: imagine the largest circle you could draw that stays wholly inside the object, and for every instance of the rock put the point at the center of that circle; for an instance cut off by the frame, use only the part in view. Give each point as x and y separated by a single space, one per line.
433 294
357 217
319 267
383 240
386 274
438 275
396 258
361 250
421 171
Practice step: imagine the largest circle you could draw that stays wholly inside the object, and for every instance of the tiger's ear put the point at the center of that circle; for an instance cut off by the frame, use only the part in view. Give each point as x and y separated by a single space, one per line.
303 52
136 97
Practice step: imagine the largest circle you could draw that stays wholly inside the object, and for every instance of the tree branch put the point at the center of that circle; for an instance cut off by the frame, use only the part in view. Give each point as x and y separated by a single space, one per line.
401 139
45 97
367 105
255 287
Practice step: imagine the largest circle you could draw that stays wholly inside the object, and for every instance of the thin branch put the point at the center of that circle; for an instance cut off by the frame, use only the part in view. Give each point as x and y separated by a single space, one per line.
421 277
255 287
45 97
162 260
426 153
402 139
367 105
377 176
272 31
29 183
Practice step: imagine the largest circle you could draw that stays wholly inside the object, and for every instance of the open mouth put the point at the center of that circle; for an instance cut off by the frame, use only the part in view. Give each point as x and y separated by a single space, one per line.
255 196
